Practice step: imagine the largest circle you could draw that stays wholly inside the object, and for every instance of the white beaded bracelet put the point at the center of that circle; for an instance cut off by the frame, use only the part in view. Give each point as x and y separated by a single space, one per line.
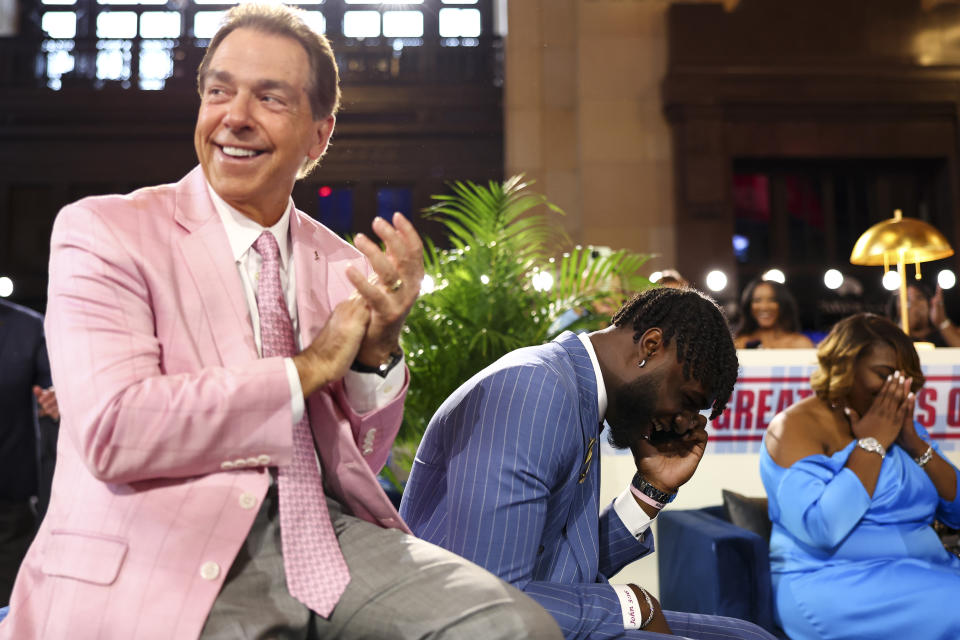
925 458
646 596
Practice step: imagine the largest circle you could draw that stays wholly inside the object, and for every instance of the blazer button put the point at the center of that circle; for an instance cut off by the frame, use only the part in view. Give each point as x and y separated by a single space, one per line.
540 550
226 465
210 571
252 462
563 531
368 450
263 459
248 500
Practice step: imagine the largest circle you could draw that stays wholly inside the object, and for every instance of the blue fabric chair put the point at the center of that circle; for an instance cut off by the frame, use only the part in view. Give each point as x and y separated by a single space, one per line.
708 565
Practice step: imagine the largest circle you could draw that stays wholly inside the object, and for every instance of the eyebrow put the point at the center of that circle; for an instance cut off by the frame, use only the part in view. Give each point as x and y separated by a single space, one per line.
266 84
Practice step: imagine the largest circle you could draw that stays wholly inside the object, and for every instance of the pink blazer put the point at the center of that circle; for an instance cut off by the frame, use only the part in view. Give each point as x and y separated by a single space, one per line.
169 416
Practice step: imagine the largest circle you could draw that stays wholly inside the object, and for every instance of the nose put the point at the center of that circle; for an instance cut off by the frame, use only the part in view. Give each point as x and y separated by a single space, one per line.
237 114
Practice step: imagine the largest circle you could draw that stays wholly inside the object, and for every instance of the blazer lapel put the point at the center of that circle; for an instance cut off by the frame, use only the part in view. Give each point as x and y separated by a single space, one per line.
312 272
588 474
206 253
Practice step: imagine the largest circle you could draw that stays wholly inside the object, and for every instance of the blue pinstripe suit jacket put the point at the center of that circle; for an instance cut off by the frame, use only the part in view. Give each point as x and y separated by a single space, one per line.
508 476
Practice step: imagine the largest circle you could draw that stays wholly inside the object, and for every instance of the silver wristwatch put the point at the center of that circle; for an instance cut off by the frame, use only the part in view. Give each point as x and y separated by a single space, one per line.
872 445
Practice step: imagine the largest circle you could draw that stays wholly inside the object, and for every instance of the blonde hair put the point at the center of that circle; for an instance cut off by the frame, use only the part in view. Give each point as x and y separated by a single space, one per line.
852 338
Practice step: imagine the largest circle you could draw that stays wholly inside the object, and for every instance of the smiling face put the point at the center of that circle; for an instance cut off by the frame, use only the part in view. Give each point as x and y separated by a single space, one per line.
764 306
658 400
870 372
255 127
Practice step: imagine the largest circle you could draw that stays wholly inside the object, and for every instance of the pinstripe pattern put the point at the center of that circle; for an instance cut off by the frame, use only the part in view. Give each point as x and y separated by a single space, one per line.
496 480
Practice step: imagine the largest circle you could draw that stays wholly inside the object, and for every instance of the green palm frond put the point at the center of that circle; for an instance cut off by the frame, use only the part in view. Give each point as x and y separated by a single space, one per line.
484 303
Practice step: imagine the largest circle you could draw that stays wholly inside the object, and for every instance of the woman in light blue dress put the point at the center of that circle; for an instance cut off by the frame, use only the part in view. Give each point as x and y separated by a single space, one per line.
853 484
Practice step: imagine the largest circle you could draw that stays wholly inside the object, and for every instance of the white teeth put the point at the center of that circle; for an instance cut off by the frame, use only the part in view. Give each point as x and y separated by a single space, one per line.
237 152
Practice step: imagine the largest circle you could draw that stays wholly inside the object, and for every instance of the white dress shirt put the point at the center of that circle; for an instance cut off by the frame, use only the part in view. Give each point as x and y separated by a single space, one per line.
634 518
365 391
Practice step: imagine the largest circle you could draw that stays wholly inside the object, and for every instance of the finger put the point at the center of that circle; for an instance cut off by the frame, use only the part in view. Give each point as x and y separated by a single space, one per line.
372 294
394 243
37 390
407 230
382 265
403 246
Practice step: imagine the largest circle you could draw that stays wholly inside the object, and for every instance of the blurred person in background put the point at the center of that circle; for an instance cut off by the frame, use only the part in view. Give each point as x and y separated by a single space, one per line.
672 278
769 318
927 316
25 397
853 484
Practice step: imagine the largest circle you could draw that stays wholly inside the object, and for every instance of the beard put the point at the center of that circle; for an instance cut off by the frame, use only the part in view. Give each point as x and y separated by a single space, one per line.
635 403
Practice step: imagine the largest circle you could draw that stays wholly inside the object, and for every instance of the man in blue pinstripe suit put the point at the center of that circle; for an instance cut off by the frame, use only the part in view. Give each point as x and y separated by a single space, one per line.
508 472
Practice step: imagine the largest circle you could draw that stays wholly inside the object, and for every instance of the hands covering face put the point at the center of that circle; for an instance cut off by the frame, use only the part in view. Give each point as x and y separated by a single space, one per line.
667 455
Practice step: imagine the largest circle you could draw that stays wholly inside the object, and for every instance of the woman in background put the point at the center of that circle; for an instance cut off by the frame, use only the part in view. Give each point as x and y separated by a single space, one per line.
926 315
853 485
770 318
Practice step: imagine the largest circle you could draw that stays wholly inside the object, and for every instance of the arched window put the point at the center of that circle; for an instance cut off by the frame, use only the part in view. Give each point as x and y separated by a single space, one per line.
139 43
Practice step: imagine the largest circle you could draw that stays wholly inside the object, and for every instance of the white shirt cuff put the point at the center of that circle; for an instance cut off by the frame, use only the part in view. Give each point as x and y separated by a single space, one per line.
296 391
629 607
634 518
368 391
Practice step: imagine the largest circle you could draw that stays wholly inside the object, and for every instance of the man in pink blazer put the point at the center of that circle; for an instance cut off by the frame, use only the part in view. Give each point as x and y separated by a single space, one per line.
163 521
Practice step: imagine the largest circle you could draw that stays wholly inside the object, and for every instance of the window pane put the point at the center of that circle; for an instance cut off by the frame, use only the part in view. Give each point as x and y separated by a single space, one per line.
310 2
113 59
402 24
363 1
59 2
160 24
59 24
361 24
406 2
59 60
459 1
215 1
315 20
393 199
459 23
156 63
117 24
335 208
116 1
206 23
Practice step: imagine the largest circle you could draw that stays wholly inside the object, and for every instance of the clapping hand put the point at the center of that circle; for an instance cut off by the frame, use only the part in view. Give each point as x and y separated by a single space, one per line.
390 294
47 401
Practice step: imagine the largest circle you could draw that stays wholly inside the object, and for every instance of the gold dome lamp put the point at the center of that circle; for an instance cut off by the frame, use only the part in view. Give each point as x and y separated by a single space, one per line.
900 240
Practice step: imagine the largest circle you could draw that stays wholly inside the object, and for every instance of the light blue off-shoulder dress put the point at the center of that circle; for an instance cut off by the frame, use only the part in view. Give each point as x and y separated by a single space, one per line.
845 565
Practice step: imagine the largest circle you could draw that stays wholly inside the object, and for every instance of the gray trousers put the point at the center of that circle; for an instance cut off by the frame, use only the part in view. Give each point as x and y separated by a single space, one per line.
400 587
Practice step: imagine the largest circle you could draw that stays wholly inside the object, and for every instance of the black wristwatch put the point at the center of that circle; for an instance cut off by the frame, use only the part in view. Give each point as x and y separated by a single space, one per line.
651 491
383 369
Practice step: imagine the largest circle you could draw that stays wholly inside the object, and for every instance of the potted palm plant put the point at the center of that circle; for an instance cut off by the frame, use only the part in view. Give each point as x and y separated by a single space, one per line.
509 279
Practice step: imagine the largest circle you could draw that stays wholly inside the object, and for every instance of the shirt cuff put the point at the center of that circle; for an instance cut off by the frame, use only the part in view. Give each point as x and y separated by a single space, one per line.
629 607
296 391
634 518
368 391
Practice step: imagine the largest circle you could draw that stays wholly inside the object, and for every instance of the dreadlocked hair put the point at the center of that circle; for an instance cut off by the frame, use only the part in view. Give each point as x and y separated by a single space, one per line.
704 343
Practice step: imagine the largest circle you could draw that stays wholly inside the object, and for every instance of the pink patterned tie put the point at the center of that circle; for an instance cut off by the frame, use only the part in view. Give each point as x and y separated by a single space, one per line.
316 571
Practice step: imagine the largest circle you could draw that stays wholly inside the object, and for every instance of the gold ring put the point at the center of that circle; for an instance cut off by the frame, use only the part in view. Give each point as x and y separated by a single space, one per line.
396 285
